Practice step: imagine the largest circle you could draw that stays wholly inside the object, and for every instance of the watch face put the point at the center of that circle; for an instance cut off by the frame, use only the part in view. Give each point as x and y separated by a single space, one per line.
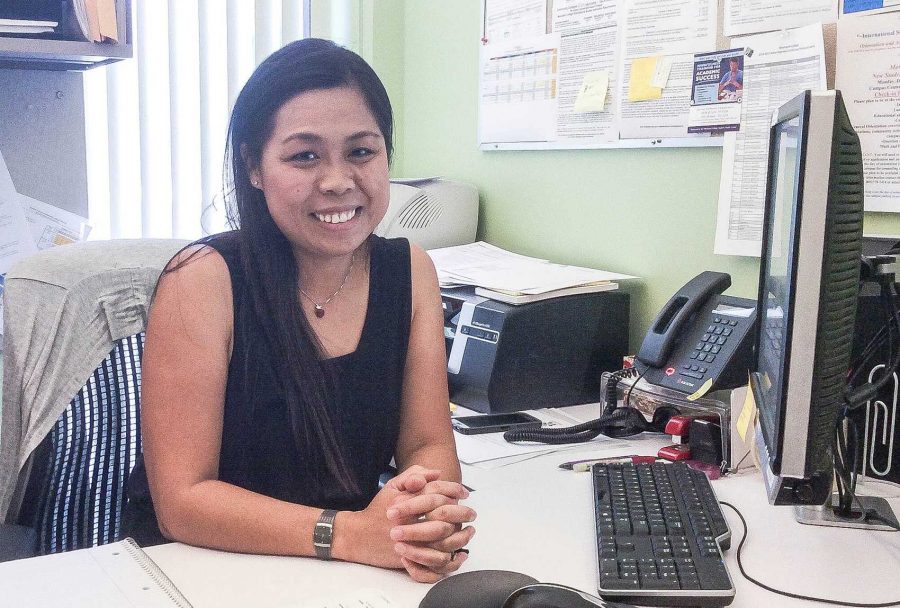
322 534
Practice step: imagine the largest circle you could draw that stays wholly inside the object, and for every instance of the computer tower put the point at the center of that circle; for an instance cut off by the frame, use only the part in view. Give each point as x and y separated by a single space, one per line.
879 420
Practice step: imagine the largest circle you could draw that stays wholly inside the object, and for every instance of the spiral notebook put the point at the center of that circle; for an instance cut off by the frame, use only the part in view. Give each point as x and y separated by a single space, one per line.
117 575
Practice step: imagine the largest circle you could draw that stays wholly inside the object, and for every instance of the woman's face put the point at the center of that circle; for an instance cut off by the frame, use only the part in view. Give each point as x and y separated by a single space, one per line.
324 172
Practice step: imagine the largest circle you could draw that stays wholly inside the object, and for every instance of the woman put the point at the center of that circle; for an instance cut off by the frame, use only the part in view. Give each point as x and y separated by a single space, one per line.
287 362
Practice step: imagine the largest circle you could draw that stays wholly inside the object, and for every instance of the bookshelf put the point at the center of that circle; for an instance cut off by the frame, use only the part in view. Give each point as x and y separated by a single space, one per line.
71 55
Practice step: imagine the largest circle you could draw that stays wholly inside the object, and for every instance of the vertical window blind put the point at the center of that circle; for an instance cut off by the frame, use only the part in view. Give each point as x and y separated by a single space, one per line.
156 124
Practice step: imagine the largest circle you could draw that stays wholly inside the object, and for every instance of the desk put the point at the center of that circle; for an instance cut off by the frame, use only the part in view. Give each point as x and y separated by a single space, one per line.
537 519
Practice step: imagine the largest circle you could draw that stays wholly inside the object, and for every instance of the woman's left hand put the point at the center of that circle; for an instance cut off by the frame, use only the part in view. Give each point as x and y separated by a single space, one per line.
431 546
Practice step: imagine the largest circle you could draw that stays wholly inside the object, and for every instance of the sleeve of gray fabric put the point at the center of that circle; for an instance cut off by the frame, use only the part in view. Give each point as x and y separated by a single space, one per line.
64 310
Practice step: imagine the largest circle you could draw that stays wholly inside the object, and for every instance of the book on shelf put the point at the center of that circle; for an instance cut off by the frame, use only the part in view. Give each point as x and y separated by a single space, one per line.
525 298
94 20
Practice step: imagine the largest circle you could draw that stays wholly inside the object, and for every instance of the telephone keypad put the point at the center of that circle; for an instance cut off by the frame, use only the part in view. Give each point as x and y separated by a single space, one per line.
709 346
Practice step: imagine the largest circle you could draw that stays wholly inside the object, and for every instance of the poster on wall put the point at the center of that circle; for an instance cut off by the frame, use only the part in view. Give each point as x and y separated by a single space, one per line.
849 7
780 66
868 76
519 86
570 74
717 92
659 40
744 17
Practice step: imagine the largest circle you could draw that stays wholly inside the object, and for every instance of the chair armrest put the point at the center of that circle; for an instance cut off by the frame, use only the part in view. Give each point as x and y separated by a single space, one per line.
17 542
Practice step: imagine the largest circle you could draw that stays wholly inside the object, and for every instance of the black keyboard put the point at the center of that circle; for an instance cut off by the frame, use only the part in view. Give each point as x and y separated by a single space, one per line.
660 536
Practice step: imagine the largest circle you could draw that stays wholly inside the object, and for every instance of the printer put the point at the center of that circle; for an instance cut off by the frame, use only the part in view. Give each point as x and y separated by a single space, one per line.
550 353
431 212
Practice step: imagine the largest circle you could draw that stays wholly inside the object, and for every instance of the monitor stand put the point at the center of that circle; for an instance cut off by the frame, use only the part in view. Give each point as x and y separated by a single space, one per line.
825 515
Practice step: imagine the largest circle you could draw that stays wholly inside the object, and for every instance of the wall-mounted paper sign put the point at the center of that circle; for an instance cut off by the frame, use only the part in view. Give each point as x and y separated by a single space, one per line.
717 91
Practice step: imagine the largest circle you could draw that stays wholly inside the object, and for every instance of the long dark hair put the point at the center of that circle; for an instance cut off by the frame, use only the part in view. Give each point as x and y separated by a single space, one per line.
267 257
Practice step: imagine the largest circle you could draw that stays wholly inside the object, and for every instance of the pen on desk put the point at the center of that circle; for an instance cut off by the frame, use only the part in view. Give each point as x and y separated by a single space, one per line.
580 466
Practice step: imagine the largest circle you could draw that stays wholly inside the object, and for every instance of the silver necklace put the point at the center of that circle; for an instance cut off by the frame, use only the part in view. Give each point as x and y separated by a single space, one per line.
320 306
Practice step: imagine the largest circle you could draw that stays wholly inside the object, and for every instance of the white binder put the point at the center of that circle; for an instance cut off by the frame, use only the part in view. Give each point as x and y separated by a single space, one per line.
117 575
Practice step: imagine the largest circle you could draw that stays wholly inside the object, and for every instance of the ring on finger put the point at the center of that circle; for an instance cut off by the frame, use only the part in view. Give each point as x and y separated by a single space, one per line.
456 551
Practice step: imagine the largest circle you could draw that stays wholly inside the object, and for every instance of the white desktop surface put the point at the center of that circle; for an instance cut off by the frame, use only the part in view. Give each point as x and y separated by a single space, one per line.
537 519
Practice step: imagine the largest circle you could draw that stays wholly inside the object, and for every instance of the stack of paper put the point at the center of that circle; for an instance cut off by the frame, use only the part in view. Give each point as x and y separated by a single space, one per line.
27 224
26 26
509 277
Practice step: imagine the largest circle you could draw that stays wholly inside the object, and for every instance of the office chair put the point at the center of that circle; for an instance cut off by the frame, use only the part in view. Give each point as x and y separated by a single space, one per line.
74 320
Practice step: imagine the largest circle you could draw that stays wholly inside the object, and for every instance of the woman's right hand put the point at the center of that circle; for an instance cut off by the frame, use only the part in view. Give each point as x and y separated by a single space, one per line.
365 536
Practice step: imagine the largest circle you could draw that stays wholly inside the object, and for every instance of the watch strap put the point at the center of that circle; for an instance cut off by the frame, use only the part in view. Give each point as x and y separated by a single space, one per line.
323 534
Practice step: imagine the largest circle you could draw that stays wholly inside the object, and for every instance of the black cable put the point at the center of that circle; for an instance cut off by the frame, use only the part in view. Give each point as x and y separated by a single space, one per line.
627 400
614 422
796 596
858 396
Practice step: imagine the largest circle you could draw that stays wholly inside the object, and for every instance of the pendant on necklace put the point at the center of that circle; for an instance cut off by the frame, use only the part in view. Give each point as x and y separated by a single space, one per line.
320 311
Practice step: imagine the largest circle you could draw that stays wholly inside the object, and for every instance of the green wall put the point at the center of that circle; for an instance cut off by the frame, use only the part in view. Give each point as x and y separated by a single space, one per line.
647 212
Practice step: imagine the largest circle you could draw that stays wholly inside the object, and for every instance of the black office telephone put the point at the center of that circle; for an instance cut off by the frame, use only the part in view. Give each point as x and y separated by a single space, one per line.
700 335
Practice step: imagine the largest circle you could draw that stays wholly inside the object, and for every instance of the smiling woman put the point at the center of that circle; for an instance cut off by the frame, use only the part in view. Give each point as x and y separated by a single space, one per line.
287 362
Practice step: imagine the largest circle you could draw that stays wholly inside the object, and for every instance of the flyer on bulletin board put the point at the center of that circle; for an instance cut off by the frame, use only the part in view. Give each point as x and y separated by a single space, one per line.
869 6
717 90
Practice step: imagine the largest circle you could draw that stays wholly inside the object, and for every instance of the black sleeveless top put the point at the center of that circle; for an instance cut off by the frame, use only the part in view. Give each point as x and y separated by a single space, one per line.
259 452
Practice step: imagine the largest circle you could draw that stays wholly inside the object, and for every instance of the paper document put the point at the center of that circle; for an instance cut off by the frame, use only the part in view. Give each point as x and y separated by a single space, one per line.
2 288
6 183
868 77
510 19
754 16
51 226
361 598
27 224
781 66
519 86
16 241
675 29
485 265
587 70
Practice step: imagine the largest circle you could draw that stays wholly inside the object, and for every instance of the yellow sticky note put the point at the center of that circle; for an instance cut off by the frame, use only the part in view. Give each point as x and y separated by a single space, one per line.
592 96
639 87
704 388
748 414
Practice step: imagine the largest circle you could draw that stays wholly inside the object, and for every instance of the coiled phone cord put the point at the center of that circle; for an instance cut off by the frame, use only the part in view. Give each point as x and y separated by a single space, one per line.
615 421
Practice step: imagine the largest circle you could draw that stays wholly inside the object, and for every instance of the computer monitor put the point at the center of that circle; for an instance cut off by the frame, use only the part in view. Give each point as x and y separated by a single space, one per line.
808 291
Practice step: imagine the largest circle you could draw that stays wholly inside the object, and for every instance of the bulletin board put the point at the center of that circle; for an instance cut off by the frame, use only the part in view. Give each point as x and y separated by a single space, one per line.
576 74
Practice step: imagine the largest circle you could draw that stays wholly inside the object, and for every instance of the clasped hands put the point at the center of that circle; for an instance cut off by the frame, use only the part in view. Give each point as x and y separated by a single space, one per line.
415 522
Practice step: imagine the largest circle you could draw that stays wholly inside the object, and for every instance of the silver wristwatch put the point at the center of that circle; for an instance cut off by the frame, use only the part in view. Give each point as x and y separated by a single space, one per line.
323 533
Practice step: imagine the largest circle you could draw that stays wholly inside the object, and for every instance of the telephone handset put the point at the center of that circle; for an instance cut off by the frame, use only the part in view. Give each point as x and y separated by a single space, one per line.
677 312
700 335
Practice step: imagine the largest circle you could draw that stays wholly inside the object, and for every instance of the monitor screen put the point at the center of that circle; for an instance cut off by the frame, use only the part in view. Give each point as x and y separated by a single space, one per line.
776 277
